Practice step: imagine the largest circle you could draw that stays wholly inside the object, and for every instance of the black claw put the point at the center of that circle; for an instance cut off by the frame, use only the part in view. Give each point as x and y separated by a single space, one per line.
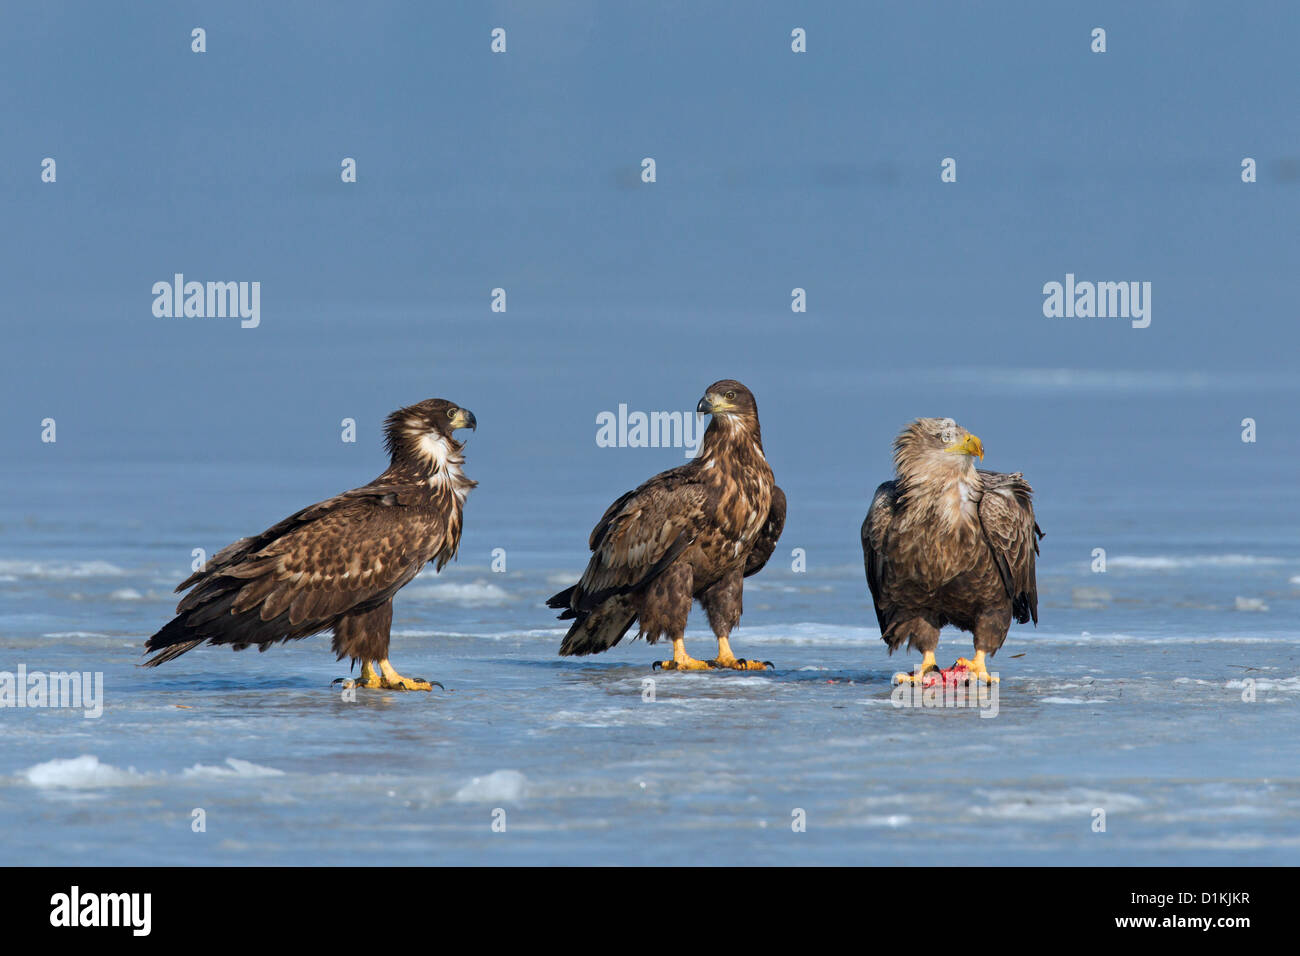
769 664
656 665
437 684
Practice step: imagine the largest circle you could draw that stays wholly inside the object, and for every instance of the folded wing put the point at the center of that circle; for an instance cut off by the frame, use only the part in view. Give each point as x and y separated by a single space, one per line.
351 552
639 536
1007 518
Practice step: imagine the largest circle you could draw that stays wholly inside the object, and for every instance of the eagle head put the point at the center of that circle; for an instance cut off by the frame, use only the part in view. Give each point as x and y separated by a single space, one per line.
728 400
926 439
425 430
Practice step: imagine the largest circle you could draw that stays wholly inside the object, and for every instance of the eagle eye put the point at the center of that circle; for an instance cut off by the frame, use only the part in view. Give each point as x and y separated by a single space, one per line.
730 396
451 413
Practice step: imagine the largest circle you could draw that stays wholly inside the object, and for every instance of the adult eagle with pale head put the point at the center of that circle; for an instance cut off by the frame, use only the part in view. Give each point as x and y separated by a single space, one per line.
948 543
692 533
336 565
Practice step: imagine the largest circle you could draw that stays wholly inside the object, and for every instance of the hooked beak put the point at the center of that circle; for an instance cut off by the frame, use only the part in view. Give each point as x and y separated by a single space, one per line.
970 445
464 419
705 407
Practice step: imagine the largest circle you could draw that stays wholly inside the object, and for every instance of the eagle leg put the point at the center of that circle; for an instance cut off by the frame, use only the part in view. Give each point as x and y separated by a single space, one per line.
726 659
978 669
368 678
681 660
928 663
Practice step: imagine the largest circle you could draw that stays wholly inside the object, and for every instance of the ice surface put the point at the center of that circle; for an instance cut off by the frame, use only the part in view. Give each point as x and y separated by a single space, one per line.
1144 693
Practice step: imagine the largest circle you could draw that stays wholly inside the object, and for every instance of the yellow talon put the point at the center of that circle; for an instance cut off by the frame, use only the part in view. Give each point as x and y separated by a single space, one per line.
688 665
681 660
727 660
978 669
928 663
739 664
388 679
395 681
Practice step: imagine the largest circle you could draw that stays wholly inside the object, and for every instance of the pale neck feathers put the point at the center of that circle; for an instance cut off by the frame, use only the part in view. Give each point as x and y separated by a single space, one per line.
936 487
432 458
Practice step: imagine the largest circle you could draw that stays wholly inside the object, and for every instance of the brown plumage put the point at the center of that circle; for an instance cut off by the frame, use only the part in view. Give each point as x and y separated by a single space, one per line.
691 533
336 564
948 543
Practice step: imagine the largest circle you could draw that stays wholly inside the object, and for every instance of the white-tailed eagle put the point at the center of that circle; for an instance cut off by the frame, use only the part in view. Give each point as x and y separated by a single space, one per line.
691 533
337 564
948 543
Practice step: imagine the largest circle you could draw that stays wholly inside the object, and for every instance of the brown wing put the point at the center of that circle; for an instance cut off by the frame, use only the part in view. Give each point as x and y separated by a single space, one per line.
765 543
874 528
639 536
234 553
1007 516
351 552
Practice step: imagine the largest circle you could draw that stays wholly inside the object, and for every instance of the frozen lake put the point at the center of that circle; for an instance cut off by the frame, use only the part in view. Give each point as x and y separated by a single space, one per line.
1164 692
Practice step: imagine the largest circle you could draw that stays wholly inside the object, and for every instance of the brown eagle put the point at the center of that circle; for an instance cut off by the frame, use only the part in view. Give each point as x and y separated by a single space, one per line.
337 564
949 543
691 533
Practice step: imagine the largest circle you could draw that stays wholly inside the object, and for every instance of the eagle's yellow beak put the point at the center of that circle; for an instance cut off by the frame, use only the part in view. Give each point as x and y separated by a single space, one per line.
464 418
970 445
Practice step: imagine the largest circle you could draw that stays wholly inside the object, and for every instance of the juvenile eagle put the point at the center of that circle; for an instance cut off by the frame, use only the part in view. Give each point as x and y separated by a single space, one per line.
691 533
948 543
337 564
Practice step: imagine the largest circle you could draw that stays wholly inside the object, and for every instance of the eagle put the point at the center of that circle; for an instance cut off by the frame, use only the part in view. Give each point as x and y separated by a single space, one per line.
336 565
948 543
692 533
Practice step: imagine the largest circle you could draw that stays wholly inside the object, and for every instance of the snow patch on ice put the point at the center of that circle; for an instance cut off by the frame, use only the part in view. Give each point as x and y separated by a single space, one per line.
234 768
88 773
475 594
80 773
499 785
